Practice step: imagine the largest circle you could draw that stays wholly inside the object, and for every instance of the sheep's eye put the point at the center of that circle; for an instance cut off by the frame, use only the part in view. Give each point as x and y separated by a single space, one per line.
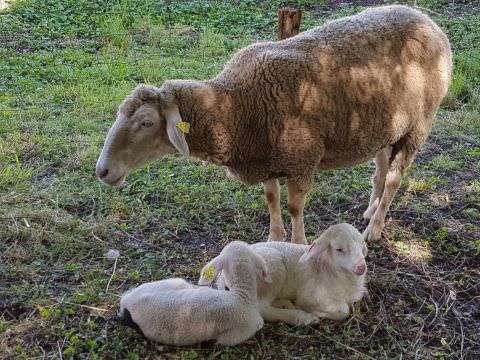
147 123
339 250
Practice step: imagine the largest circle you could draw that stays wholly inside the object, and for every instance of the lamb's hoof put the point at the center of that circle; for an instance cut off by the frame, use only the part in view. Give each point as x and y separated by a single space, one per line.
308 319
283 304
125 318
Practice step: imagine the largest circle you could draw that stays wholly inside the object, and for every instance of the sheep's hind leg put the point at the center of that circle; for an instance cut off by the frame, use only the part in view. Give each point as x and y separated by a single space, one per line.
297 192
401 157
271 190
378 182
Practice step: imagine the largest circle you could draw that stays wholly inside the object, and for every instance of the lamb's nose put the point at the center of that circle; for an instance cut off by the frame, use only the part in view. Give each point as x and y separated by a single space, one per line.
360 269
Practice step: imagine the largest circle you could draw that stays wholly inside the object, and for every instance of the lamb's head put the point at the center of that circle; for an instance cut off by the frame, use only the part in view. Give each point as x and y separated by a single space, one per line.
232 260
146 129
341 246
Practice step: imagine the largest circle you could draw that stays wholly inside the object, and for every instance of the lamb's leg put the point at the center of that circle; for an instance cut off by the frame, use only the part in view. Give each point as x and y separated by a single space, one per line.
236 336
297 192
378 182
337 316
336 310
294 317
283 304
402 155
271 189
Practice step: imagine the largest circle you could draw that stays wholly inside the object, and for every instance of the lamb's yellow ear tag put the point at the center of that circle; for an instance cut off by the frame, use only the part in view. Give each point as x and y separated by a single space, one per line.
209 273
183 126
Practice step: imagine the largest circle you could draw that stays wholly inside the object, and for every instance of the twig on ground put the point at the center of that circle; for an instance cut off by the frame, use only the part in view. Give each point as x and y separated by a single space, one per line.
345 346
59 350
111 276
84 306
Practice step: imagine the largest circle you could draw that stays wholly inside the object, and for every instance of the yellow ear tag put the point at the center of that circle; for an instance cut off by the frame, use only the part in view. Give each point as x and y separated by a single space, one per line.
209 273
183 126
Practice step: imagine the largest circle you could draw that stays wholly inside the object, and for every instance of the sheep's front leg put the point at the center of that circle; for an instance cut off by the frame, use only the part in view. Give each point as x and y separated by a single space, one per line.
378 182
294 317
271 190
297 191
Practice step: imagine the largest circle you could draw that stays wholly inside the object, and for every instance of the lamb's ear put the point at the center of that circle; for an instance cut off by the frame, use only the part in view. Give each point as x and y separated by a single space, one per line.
175 134
211 271
314 251
262 268
364 249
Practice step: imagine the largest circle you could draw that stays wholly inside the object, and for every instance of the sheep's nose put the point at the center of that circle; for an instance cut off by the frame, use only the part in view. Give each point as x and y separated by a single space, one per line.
101 173
360 268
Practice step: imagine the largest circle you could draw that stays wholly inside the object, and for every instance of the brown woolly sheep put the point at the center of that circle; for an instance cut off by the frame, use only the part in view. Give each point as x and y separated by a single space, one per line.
361 87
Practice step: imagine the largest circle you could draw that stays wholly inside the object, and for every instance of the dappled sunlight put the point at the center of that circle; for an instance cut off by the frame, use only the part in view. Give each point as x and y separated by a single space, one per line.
308 97
418 186
5 4
440 199
408 245
413 250
473 187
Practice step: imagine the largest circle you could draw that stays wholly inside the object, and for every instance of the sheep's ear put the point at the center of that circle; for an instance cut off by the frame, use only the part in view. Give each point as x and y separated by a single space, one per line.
314 251
176 133
211 271
364 249
262 268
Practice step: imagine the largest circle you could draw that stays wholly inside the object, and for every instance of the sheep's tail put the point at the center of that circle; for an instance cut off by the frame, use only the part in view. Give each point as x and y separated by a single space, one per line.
125 318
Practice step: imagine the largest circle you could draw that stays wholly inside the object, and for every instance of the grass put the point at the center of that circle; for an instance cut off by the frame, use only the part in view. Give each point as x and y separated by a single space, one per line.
66 65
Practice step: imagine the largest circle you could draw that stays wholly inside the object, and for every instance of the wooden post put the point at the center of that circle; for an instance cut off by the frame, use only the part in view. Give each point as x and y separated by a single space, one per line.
288 22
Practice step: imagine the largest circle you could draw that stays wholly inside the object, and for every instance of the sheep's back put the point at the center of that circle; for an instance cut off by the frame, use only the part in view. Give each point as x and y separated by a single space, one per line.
335 95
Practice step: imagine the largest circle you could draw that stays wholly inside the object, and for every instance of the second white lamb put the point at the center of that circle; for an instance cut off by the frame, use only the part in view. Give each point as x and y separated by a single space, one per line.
322 280
176 312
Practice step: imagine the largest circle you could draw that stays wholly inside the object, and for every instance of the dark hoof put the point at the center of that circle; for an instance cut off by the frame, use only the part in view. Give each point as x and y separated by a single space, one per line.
125 318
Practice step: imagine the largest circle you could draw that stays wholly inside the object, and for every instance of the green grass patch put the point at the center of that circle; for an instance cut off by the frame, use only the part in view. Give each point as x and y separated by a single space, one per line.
65 67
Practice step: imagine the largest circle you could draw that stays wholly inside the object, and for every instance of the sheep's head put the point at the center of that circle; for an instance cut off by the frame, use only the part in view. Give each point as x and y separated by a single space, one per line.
226 262
342 246
145 130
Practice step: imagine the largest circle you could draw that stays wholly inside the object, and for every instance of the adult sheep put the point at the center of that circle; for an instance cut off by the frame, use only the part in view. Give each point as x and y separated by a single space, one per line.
359 88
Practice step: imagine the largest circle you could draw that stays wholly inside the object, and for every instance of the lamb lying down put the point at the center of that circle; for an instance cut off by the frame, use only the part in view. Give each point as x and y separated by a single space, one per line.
311 282
175 312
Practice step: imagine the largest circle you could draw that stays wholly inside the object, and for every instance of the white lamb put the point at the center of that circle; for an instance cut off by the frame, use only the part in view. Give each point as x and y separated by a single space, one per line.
176 312
311 282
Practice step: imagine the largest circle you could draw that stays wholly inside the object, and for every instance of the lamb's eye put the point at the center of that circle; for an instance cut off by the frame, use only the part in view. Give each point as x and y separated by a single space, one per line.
147 123
339 250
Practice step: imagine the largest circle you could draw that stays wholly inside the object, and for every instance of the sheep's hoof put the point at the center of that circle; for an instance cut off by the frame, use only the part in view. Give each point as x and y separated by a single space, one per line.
373 232
365 221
